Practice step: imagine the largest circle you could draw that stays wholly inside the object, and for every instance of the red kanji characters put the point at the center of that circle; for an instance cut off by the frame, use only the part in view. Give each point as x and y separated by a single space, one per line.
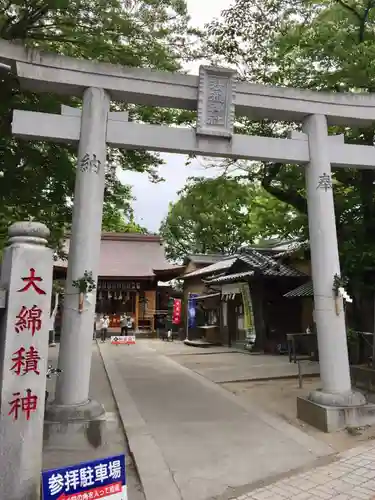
31 282
29 319
32 361
26 404
18 361
26 361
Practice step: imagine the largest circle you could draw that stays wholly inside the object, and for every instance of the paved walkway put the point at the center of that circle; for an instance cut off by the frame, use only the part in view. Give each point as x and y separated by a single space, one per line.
223 364
193 440
352 477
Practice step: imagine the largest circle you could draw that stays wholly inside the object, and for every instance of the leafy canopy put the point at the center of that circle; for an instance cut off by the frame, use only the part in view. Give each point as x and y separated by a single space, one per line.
219 215
39 176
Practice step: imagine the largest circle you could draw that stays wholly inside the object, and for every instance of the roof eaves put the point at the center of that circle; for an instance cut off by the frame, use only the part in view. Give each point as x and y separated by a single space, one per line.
208 296
305 290
229 277
213 276
212 269
204 258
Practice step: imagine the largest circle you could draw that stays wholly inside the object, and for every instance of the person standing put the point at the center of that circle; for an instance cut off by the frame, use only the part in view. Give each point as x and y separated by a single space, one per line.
104 328
124 324
129 322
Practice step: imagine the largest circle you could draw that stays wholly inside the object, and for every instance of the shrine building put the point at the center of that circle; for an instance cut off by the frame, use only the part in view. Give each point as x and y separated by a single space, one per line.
126 279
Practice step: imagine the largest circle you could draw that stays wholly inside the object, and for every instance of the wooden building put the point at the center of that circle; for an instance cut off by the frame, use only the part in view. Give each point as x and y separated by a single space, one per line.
220 299
127 281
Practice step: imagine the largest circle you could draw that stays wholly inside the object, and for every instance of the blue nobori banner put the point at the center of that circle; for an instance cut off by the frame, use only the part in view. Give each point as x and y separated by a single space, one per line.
192 306
98 479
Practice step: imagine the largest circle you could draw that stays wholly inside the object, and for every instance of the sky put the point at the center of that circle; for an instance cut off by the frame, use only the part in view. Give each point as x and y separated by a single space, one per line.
152 200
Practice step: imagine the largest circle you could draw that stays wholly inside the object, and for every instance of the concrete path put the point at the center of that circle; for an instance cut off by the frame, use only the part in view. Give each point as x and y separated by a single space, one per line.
351 477
223 364
193 440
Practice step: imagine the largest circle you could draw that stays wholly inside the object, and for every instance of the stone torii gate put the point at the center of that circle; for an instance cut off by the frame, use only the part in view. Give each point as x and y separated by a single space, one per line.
217 97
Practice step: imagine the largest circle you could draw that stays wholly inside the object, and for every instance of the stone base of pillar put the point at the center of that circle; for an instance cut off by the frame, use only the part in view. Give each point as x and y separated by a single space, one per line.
91 410
328 418
76 435
346 399
78 427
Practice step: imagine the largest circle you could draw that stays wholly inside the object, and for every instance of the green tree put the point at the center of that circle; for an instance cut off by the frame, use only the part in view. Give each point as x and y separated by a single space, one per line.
324 45
38 177
219 215
116 220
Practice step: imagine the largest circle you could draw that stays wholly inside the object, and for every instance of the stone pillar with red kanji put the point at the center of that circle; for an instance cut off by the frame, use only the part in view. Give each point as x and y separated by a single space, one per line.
26 274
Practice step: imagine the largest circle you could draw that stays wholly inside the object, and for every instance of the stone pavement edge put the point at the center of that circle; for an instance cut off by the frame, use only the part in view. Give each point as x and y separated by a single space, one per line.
350 477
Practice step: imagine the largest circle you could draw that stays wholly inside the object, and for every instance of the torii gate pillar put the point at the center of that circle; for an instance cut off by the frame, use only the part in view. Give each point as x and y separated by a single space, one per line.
330 322
72 389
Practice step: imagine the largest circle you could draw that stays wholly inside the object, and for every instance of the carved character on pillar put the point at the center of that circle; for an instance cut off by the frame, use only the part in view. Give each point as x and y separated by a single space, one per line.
325 182
90 164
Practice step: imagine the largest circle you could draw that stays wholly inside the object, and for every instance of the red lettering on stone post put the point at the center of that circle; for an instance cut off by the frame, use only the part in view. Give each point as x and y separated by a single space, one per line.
25 361
29 319
31 283
26 404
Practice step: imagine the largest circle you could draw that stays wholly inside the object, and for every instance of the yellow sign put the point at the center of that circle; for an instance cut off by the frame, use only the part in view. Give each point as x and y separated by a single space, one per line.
247 308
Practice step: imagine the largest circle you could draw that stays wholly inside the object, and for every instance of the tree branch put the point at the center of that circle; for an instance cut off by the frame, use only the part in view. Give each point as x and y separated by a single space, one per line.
20 28
350 8
288 197
370 5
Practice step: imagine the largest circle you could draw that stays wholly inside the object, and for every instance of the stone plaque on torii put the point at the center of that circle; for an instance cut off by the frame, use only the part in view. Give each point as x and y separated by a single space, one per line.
217 97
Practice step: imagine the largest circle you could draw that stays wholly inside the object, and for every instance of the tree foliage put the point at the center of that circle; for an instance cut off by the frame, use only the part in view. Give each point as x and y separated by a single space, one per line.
220 215
324 45
38 176
116 220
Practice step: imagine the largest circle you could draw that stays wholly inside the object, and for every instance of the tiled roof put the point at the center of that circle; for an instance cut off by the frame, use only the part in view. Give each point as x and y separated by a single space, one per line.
293 248
281 249
130 255
229 277
305 290
205 258
268 265
217 267
256 261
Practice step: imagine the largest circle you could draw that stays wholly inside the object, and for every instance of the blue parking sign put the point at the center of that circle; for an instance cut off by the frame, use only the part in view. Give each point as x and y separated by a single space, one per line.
98 479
